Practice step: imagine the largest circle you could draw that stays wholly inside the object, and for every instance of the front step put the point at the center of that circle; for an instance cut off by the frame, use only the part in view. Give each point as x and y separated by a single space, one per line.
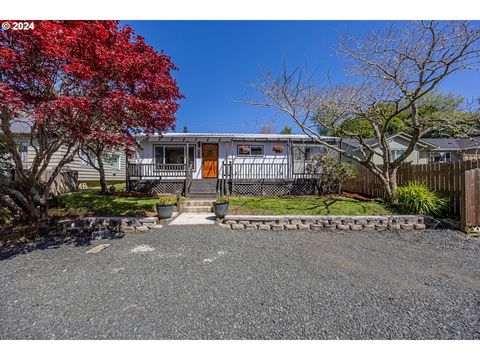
201 195
197 209
203 187
201 205
200 202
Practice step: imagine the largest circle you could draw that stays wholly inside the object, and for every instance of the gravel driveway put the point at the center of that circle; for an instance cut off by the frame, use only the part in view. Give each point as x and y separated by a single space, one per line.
205 282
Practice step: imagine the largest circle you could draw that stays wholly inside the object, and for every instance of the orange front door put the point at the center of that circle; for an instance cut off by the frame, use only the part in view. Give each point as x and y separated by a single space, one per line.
210 160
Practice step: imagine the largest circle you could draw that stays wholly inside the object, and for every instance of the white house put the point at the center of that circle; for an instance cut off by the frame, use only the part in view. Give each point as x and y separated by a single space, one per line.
204 164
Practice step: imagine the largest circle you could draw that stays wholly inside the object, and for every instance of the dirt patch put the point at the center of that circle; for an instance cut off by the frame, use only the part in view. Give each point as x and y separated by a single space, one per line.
355 196
132 194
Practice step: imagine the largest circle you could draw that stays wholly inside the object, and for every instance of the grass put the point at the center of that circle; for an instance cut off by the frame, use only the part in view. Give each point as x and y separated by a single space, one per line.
322 205
91 202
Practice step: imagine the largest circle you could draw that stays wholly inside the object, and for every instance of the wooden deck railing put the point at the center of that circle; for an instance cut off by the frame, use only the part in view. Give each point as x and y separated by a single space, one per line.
262 171
156 171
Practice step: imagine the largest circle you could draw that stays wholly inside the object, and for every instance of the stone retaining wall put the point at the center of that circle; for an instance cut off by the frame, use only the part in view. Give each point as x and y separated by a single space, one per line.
104 227
326 223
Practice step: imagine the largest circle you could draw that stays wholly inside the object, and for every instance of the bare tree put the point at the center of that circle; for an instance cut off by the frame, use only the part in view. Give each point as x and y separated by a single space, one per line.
393 70
267 128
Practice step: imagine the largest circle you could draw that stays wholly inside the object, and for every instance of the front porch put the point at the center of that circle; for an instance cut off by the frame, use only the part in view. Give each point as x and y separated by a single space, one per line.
234 178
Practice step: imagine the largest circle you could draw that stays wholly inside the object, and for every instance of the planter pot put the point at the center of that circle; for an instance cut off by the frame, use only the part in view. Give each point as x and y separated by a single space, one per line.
164 211
220 209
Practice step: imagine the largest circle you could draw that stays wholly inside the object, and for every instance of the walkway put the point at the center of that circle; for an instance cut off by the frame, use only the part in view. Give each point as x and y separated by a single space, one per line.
194 219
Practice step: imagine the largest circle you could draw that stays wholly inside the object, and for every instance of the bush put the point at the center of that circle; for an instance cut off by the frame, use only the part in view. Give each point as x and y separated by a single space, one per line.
417 198
333 172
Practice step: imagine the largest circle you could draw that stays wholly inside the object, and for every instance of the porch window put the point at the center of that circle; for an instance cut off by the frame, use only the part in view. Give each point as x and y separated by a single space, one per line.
250 150
174 154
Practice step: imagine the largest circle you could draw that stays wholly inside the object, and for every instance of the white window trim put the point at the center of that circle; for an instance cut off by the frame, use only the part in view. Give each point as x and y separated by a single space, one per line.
250 154
179 146
119 162
392 152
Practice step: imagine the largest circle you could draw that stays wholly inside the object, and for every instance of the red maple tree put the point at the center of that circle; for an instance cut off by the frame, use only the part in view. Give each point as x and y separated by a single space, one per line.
77 84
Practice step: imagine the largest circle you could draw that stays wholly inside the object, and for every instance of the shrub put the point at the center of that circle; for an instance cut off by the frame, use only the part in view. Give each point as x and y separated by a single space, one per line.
167 200
333 172
417 198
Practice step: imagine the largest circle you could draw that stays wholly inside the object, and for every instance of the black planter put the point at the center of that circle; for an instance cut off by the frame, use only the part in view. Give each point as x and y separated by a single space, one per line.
221 209
164 211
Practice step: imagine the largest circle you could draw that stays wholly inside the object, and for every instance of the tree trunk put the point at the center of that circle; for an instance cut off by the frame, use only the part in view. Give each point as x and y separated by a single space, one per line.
390 184
101 172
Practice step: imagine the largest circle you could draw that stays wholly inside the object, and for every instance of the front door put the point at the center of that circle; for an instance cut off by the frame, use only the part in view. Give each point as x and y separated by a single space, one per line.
210 160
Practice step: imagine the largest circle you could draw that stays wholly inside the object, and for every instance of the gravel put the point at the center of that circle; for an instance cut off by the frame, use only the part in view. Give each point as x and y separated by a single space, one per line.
205 282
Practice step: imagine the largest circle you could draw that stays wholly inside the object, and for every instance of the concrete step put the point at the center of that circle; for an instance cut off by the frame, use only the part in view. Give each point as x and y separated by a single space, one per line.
199 202
202 187
204 181
197 209
201 195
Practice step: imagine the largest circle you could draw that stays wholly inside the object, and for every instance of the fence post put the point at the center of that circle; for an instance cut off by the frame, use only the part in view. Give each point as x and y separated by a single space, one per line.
179 202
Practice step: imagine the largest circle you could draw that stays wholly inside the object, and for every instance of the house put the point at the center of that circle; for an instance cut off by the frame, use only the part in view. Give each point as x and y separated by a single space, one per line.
238 164
114 166
426 150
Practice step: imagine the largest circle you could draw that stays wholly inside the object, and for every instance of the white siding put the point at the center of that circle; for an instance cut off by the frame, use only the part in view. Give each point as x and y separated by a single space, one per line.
227 152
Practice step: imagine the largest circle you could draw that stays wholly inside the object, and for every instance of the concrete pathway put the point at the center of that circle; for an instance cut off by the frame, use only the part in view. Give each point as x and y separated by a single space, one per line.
194 219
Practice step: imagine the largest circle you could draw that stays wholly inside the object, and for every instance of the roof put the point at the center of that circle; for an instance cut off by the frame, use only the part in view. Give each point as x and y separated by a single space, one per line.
233 136
21 126
435 144
454 144
373 142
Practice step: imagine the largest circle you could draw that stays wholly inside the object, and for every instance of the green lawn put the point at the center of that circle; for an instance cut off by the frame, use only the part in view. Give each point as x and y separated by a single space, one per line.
323 205
91 202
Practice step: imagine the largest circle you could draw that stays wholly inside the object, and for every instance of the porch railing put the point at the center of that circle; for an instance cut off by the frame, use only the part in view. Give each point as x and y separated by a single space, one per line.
262 171
156 171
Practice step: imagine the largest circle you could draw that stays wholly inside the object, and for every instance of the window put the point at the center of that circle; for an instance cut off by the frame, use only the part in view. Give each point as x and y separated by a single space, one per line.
441 157
24 153
395 154
174 154
250 150
115 162
85 156
301 154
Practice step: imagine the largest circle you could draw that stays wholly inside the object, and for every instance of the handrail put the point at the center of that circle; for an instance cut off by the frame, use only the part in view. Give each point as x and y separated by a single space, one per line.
231 172
265 171
155 171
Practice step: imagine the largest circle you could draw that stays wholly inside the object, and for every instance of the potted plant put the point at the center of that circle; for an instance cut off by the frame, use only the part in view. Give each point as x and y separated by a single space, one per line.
165 207
244 150
277 149
220 206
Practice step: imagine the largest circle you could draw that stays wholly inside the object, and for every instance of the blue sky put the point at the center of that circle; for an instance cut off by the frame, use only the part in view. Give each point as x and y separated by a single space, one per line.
217 60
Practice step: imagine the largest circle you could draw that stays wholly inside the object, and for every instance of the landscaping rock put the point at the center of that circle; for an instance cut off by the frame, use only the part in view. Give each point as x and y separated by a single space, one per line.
328 223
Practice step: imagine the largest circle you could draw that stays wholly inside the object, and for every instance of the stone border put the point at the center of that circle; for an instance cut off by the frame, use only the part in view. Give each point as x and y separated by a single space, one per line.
102 227
326 223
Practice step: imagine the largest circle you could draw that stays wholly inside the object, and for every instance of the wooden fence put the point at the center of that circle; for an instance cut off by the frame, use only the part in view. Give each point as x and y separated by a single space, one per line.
460 181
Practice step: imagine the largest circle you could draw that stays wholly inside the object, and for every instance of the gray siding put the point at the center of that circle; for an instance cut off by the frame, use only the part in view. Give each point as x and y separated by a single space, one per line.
85 172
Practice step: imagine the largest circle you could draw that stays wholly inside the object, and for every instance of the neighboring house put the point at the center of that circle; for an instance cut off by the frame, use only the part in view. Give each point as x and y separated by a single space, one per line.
114 166
426 151
240 164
